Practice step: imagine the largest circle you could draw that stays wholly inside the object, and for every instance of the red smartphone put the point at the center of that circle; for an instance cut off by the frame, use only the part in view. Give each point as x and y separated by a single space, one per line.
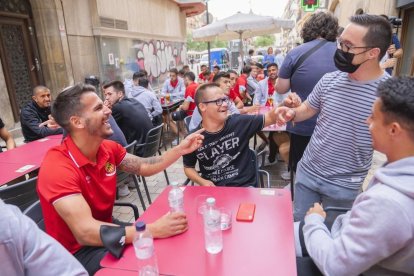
246 212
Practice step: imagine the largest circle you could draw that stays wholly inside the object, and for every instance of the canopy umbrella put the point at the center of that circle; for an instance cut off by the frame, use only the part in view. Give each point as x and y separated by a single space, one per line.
241 25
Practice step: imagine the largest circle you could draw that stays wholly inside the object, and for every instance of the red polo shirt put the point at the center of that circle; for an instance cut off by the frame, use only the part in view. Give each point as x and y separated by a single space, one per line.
190 95
65 171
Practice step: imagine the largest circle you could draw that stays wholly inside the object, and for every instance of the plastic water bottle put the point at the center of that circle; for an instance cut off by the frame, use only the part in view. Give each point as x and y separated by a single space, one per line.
144 250
176 198
212 231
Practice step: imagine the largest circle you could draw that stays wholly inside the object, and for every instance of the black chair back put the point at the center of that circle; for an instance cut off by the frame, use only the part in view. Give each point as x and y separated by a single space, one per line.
187 121
152 143
34 212
21 194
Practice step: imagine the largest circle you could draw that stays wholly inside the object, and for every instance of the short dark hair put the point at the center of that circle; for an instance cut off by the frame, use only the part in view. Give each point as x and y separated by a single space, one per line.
68 103
272 65
320 24
216 67
201 91
143 82
202 66
186 66
379 32
173 70
397 96
246 69
232 72
140 74
259 65
190 75
251 52
39 88
220 75
117 85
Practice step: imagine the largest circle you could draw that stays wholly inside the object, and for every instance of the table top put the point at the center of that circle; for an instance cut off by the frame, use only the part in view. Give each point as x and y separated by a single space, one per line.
26 158
172 103
262 247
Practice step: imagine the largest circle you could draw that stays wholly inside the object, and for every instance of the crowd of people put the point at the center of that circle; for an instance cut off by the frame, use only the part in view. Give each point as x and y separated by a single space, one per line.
338 104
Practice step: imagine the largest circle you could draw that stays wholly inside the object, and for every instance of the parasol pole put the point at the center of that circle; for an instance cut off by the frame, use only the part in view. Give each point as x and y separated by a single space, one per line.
241 49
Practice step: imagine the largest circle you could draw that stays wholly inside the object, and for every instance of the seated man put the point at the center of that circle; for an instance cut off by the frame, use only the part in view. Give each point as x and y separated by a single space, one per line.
147 98
191 86
174 85
130 115
27 250
34 117
223 81
376 236
223 157
6 136
77 180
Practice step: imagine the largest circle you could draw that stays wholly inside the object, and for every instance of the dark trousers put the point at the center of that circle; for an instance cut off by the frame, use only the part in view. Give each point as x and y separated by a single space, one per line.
298 144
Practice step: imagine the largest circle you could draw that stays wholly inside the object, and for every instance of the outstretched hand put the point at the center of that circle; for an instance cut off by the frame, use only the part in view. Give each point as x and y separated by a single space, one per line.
316 209
284 114
51 123
191 142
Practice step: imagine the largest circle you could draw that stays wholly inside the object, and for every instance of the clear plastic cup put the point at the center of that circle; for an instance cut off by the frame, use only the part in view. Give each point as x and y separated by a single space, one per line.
225 218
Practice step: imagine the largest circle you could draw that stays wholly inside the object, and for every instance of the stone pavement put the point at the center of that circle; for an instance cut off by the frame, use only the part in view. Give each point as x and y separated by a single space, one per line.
157 183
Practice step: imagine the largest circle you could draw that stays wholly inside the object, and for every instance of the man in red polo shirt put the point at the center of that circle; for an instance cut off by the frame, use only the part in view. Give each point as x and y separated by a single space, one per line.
234 90
189 103
77 180
203 68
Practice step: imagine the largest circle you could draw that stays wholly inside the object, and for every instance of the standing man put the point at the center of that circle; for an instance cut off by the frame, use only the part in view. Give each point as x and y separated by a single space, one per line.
77 180
7 137
34 117
130 115
267 59
339 154
300 74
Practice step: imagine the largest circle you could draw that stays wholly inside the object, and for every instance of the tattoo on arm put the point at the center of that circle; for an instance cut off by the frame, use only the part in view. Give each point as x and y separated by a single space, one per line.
133 164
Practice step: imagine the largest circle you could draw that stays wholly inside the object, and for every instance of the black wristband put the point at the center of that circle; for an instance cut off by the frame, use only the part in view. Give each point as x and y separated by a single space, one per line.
113 239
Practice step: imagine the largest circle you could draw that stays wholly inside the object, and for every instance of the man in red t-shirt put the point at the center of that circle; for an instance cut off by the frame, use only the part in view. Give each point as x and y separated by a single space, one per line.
77 180
191 87
234 91
203 68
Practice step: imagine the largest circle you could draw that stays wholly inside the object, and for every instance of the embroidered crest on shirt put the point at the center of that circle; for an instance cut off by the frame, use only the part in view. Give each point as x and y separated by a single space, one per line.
110 169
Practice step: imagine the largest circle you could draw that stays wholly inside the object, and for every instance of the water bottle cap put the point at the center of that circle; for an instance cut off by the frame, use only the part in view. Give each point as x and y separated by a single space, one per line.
140 226
174 184
211 200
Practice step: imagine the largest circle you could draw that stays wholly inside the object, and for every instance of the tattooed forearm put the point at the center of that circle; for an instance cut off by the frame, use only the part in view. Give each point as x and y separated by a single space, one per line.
135 164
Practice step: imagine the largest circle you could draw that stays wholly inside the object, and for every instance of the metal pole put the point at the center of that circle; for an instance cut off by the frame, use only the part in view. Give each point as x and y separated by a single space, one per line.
208 43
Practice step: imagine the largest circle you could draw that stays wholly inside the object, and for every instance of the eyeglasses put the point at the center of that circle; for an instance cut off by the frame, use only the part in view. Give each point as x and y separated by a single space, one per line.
346 47
219 102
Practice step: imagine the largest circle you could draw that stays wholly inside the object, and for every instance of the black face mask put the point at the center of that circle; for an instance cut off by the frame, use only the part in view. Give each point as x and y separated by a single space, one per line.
343 61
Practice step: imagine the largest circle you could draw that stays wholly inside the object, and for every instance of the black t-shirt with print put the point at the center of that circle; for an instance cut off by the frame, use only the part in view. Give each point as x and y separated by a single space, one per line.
225 157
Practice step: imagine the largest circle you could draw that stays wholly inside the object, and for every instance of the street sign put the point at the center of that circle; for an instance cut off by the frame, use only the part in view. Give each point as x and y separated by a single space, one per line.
310 5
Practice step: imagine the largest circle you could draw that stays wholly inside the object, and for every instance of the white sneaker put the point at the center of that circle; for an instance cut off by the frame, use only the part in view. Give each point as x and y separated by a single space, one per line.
123 190
285 175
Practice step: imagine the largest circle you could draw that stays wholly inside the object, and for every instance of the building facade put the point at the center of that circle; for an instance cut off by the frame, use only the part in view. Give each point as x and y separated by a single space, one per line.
61 42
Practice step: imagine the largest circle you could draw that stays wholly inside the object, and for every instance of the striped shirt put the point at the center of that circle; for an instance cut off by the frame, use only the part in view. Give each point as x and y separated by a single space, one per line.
340 150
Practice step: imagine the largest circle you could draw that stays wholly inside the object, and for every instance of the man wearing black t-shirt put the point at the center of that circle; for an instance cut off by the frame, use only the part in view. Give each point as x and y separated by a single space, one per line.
224 156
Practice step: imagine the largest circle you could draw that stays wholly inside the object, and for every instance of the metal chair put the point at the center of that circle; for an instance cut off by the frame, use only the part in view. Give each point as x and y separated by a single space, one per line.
259 172
187 121
149 149
21 194
34 212
122 176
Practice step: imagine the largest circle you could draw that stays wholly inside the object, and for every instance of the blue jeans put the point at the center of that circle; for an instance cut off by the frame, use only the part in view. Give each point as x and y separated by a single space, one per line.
310 189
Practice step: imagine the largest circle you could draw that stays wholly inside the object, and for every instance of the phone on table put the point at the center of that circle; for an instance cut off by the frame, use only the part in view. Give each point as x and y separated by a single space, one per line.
246 212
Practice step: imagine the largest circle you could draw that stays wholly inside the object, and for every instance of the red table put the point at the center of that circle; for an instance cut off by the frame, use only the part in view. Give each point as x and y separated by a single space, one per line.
262 247
26 158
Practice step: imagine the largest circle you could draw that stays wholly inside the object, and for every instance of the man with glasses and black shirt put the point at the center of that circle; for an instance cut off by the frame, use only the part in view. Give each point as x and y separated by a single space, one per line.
224 155
339 154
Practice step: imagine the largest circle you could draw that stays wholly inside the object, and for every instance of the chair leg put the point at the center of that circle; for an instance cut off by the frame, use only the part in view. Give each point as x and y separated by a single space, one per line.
135 178
292 181
166 177
146 190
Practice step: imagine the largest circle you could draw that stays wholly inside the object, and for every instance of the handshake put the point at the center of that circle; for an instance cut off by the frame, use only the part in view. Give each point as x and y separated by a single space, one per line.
285 112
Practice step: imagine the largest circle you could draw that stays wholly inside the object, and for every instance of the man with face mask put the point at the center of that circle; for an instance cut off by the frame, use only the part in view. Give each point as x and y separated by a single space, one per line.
339 154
